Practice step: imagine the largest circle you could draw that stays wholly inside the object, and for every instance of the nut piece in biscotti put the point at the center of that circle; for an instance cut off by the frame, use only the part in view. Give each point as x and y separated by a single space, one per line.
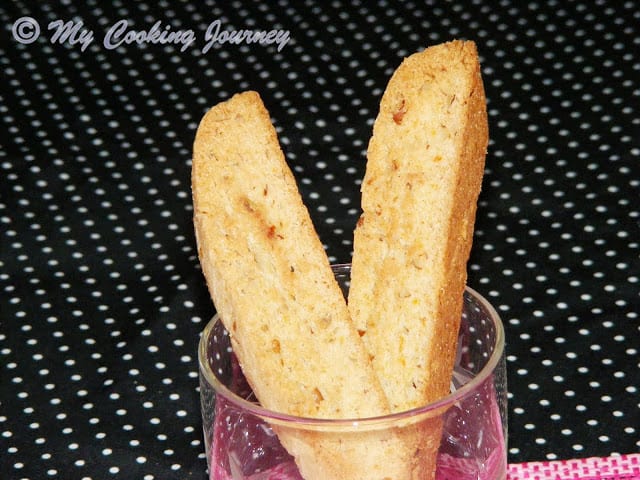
275 292
425 163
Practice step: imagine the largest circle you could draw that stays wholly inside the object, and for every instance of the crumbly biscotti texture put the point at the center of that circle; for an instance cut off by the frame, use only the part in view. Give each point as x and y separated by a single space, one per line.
425 163
269 276
275 292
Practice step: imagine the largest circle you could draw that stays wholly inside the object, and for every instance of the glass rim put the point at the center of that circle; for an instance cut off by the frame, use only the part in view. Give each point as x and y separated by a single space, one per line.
424 411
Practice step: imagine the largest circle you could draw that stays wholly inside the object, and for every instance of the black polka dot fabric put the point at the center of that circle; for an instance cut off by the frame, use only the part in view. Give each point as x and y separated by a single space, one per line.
102 299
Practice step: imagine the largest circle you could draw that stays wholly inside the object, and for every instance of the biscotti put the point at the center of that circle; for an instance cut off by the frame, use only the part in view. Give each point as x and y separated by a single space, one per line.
425 163
275 292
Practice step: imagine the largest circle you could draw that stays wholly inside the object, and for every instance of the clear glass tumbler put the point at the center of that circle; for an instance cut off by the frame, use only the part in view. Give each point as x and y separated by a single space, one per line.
240 438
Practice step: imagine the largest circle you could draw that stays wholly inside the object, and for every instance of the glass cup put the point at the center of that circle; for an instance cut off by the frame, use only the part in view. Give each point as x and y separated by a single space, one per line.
471 426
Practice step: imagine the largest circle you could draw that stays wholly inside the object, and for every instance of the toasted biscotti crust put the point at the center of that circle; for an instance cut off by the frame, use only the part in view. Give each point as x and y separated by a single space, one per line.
268 273
274 290
425 163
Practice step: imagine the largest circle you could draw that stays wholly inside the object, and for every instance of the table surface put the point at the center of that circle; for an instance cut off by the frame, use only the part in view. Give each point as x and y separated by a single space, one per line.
102 296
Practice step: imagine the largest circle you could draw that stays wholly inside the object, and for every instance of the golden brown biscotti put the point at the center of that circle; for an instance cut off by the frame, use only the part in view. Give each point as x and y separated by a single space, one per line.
275 292
425 163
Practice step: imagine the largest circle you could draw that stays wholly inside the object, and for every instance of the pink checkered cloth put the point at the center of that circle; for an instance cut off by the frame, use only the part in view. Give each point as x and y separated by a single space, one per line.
623 467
